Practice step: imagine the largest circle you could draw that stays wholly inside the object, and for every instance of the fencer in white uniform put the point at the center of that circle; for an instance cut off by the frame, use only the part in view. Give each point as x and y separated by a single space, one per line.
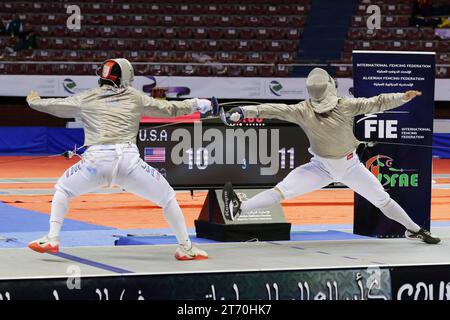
111 115
327 121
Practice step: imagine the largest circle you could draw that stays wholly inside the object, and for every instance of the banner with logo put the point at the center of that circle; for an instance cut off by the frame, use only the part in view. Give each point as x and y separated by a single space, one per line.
400 161
186 87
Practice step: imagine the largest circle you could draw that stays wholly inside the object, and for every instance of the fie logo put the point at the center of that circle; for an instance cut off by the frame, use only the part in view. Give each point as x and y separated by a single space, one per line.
378 128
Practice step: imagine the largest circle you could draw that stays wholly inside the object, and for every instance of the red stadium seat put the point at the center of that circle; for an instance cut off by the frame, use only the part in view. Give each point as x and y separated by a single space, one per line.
250 71
343 72
358 21
200 33
169 33
281 71
274 46
231 33
413 46
443 72
197 45
428 34
293 34
399 34
286 57
443 58
233 71
444 46
255 57
142 69
124 20
289 46
215 33
266 71
163 56
239 57
107 32
91 32
296 21
132 56
188 70
413 34
203 71
72 55
245 33
147 44
243 46
224 57
138 32
166 44
196 21
269 57
398 45
230 45
430 45
122 44
181 45
403 21
152 32
213 45
262 33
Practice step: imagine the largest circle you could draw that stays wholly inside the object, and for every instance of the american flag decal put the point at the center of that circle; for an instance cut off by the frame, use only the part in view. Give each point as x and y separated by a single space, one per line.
155 154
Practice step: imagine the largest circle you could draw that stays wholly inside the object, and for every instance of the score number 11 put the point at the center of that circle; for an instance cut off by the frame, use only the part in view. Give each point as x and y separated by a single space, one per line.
202 157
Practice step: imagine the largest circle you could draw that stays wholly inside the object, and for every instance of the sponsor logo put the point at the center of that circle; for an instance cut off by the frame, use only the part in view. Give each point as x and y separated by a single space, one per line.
382 167
275 87
69 85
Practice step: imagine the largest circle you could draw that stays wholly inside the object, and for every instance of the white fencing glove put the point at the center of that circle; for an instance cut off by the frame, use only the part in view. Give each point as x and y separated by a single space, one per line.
201 105
235 114
33 95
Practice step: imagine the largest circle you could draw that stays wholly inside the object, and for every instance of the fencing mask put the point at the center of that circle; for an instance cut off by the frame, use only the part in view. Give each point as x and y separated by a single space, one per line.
322 90
116 71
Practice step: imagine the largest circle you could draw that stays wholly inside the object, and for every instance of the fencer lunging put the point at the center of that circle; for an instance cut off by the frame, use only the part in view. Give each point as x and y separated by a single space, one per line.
111 114
327 121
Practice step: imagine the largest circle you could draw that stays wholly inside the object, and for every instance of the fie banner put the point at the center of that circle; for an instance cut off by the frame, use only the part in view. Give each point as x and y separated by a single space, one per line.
401 161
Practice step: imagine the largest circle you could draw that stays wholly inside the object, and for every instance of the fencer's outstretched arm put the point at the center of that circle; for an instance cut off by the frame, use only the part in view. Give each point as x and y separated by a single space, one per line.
290 113
167 109
69 107
380 103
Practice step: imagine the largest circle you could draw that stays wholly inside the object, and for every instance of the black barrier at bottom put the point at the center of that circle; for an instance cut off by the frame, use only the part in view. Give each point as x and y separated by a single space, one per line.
344 284
372 283
421 283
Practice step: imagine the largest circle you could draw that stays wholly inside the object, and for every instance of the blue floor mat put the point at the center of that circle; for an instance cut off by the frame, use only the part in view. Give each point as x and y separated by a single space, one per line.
295 236
14 219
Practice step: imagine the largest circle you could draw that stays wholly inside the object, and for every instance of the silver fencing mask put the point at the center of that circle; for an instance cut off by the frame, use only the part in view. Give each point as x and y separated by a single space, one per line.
322 90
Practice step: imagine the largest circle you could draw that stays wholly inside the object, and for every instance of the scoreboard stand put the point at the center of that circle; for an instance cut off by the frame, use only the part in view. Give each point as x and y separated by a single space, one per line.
259 225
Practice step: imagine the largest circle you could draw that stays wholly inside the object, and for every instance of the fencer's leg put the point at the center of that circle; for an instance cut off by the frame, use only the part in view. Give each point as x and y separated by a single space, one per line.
148 183
262 200
75 181
60 206
301 180
363 182
175 219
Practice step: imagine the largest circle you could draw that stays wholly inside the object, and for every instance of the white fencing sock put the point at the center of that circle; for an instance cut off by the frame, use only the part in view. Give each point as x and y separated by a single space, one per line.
175 218
393 211
60 205
262 200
